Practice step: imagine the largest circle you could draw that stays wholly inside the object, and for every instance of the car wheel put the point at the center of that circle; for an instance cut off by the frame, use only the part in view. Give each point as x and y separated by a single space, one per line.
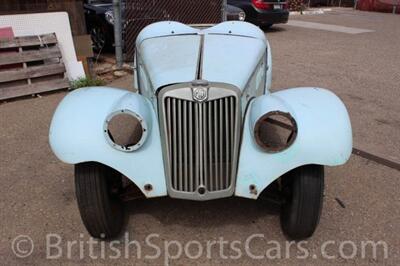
98 38
303 189
97 190
100 35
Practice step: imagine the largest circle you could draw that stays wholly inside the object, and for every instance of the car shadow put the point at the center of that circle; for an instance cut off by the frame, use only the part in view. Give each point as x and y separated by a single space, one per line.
205 214
274 29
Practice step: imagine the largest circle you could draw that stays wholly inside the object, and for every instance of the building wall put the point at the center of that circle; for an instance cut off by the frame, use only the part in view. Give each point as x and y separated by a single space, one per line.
74 8
387 6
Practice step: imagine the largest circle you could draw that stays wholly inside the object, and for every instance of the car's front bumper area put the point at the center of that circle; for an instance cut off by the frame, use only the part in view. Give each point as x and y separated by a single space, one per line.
77 135
268 17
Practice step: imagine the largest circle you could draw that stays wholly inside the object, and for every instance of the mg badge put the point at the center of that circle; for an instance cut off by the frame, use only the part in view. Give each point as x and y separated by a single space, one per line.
200 94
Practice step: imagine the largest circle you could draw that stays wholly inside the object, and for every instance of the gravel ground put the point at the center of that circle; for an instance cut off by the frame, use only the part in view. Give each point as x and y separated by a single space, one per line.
361 200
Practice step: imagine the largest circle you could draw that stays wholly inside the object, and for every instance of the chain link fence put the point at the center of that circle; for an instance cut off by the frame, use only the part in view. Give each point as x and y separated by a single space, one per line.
139 14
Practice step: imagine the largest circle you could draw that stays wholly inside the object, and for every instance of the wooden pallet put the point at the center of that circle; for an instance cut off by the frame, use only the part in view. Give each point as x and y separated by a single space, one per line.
30 65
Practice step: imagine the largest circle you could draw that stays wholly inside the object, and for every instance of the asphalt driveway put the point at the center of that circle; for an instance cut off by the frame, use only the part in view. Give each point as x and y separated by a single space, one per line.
361 205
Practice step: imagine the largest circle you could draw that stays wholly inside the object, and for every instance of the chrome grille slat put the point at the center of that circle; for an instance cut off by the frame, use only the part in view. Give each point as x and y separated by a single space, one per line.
202 142
174 135
185 150
216 180
221 143
204 146
196 147
179 149
169 127
227 142
191 158
233 126
210 146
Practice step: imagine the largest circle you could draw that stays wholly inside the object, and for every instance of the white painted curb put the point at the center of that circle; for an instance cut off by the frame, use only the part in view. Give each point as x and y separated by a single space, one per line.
311 12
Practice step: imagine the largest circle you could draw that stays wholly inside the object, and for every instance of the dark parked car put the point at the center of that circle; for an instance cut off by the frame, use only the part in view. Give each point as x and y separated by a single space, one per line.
263 13
235 13
100 21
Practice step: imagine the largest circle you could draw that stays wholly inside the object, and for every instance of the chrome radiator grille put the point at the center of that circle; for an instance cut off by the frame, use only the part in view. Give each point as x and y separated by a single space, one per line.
201 142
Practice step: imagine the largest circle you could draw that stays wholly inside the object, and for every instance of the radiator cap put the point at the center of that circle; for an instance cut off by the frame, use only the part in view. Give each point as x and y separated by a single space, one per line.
199 83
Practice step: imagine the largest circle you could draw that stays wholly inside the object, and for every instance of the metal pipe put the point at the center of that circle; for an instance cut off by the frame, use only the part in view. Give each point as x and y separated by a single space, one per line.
224 10
118 32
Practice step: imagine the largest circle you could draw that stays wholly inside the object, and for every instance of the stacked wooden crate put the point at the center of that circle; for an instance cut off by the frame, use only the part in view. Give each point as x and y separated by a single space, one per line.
30 65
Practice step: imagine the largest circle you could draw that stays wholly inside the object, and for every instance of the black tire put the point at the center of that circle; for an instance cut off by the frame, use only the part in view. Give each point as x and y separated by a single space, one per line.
303 188
101 35
99 204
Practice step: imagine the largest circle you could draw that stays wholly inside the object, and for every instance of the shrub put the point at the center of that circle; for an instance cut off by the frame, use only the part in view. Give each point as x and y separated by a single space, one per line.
86 82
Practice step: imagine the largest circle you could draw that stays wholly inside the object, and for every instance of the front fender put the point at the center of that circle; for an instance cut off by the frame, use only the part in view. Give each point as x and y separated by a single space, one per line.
77 135
324 137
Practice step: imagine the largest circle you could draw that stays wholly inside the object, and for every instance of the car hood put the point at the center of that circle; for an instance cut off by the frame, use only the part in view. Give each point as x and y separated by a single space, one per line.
172 53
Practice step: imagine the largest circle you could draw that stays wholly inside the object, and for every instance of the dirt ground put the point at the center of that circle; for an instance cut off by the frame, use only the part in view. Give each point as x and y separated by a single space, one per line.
361 204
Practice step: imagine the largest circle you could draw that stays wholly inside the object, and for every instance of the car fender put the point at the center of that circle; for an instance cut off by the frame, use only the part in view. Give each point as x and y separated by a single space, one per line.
268 80
324 137
77 135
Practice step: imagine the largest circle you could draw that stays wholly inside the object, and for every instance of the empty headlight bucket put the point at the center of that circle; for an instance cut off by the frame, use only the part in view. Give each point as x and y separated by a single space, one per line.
125 130
275 131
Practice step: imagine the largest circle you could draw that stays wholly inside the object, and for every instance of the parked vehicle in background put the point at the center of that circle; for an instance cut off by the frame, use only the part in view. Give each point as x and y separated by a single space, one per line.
263 13
235 13
100 21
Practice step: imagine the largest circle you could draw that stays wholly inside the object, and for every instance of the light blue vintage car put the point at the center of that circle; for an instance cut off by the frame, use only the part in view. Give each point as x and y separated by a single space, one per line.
203 125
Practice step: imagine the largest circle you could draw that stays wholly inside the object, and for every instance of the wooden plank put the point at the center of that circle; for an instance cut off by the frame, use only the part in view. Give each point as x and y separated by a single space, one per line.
83 46
31 72
28 56
75 11
47 39
34 88
12 80
85 64
24 65
8 33
21 6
